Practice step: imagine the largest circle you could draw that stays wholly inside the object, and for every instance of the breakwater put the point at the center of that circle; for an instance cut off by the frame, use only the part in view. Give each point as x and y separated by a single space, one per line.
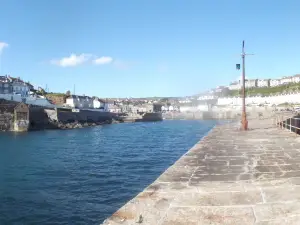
67 118
229 177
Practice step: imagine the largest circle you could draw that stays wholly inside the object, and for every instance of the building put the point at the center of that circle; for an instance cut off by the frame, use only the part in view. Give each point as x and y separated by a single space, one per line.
263 83
275 82
80 102
235 86
5 85
100 104
286 80
251 83
206 97
20 87
10 85
13 116
114 108
296 78
186 100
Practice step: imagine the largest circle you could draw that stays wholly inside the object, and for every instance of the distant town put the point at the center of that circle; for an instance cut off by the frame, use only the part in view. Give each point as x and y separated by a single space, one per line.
16 89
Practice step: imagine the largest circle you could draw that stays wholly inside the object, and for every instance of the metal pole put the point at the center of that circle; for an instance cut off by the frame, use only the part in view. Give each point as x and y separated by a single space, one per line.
244 115
290 124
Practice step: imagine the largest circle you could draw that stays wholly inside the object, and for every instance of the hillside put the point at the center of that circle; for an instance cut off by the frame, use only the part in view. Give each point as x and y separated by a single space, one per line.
56 98
267 91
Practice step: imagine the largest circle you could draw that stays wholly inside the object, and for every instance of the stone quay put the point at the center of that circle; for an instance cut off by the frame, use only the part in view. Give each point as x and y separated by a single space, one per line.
229 177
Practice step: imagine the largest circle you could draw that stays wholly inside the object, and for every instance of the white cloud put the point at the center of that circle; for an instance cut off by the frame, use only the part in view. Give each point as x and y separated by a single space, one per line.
72 60
2 46
103 60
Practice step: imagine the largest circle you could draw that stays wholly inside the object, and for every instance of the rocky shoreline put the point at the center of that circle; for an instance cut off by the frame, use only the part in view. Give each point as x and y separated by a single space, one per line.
76 125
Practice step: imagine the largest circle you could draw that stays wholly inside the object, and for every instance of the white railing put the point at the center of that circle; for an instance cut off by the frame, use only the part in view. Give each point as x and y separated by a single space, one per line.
285 122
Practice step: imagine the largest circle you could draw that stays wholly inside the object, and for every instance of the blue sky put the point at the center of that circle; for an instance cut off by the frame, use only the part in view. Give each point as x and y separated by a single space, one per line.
139 48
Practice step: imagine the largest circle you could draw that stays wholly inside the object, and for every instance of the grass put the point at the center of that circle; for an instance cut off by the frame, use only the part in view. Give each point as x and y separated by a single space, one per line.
56 94
267 91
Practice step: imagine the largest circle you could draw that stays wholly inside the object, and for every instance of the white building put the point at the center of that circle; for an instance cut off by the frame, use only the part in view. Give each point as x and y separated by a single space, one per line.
81 102
286 80
10 85
251 83
263 83
206 97
168 108
275 82
113 108
184 100
19 87
296 78
100 104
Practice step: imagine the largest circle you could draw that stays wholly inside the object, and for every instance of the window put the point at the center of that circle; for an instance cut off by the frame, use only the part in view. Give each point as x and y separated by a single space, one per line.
22 116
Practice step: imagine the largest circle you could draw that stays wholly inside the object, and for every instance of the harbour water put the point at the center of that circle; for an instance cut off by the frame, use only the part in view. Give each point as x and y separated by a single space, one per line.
82 176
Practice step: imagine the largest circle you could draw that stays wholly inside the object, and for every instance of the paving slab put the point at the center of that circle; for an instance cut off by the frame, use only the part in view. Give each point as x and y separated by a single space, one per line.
228 177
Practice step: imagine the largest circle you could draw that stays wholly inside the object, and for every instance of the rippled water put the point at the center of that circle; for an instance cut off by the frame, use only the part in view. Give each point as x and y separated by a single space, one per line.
82 176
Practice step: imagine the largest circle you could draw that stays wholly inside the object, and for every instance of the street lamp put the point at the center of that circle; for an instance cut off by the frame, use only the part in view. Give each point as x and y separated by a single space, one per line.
244 122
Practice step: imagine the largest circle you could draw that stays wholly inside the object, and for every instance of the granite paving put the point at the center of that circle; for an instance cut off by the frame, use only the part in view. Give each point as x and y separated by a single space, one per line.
229 177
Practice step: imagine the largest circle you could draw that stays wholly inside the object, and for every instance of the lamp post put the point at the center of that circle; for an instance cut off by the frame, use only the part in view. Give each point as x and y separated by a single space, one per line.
244 122
244 115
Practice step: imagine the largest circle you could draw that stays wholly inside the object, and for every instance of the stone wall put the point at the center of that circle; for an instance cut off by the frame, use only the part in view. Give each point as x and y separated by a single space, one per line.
38 119
6 121
67 116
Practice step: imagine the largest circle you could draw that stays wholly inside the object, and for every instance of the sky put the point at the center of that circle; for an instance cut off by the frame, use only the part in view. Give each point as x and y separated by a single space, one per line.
143 48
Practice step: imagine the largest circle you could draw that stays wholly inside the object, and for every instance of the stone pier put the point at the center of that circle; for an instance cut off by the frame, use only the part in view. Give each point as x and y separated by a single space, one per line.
229 177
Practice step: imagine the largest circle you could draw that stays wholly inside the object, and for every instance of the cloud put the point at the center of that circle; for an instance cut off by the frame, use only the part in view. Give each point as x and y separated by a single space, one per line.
72 60
103 60
3 45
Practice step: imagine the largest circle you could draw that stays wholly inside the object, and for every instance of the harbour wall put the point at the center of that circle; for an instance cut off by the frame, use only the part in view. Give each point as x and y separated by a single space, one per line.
14 116
66 118
39 120
40 117
6 121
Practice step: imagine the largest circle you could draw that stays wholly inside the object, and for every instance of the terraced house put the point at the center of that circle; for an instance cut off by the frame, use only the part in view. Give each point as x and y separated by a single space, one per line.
11 85
5 85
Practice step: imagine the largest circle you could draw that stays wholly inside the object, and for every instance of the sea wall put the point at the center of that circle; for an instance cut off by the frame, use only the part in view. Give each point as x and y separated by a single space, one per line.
67 116
149 117
6 121
39 120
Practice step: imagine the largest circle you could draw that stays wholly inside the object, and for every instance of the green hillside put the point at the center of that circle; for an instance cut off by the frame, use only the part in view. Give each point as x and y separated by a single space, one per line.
267 91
